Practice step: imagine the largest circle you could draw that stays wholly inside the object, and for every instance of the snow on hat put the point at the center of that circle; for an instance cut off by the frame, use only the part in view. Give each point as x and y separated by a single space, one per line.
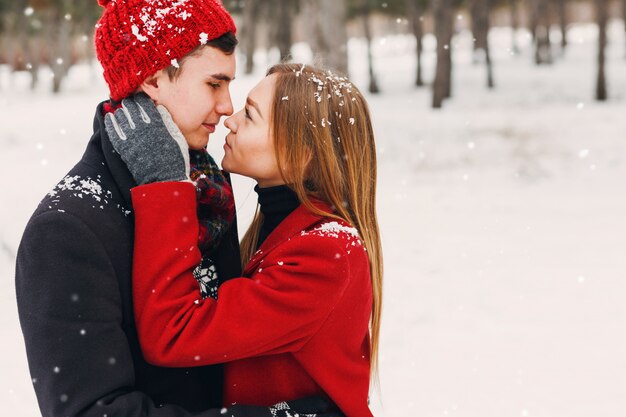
136 38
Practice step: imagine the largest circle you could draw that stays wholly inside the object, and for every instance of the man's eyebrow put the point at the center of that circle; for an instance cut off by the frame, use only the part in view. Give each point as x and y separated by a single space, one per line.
222 77
255 105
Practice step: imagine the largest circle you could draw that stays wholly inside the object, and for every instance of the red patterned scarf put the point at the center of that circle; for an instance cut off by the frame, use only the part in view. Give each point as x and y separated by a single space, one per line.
216 204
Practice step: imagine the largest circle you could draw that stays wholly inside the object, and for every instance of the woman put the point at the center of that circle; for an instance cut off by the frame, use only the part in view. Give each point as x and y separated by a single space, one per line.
306 314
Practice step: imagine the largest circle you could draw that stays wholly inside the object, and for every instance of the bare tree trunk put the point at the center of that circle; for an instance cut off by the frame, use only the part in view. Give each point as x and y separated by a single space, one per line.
448 57
624 14
514 26
563 22
601 18
533 9
248 29
479 10
30 48
543 45
60 59
365 10
34 60
284 16
22 47
442 11
328 36
490 81
479 24
15 38
415 11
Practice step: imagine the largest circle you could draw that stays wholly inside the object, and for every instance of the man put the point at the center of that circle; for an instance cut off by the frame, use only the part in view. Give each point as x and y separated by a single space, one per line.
73 274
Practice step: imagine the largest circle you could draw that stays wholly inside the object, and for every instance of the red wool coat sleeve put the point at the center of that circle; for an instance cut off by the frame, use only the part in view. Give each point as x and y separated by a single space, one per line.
293 291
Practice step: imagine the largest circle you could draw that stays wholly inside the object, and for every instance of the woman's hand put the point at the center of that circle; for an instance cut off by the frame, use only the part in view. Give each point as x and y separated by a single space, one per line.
148 140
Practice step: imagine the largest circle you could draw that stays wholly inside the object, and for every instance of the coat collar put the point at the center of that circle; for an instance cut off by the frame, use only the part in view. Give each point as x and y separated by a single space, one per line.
300 219
100 144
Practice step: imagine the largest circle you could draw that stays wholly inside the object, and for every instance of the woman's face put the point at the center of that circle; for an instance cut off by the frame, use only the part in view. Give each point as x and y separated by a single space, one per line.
249 147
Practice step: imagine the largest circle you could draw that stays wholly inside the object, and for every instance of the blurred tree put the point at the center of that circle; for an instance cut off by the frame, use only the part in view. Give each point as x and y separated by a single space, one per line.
235 6
540 26
602 14
32 41
479 11
514 9
386 7
326 20
531 11
250 15
624 13
563 19
443 17
364 9
415 11
18 28
5 6
59 32
281 21
47 32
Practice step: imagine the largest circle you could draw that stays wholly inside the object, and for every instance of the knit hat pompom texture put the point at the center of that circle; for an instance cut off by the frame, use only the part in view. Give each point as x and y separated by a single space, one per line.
136 38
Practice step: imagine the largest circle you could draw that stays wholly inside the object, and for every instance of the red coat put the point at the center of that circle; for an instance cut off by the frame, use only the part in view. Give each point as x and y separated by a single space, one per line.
296 325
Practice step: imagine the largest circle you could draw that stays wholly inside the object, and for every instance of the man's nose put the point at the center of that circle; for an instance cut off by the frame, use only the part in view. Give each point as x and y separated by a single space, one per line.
225 104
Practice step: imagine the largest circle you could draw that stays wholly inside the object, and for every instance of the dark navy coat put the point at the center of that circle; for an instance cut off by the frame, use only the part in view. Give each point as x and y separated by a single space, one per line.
73 285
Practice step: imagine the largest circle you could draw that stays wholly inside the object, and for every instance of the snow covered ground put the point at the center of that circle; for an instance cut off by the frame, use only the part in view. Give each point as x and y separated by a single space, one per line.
503 218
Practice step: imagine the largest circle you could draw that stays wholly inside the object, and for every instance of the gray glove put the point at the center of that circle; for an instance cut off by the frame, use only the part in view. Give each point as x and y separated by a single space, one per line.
148 140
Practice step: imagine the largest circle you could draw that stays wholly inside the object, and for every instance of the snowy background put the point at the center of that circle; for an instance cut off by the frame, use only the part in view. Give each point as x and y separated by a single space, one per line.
503 218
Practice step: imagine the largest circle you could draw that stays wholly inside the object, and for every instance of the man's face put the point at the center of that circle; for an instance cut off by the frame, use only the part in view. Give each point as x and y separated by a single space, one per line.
200 96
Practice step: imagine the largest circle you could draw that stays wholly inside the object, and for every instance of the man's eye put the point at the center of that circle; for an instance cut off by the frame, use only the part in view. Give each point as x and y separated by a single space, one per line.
215 85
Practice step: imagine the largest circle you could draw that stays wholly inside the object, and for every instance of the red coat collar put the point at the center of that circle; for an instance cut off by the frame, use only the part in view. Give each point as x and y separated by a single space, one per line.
300 219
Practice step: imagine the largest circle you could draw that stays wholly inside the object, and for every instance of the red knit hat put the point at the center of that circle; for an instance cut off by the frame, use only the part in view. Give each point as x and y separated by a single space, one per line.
136 38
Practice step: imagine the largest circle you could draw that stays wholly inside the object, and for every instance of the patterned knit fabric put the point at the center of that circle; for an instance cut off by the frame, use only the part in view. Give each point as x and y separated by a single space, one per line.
216 204
136 38
216 209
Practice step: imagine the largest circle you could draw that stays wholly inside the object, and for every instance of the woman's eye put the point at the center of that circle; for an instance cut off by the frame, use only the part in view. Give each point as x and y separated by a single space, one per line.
247 113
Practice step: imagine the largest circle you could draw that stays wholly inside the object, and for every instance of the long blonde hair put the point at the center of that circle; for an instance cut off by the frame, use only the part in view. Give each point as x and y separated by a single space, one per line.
324 144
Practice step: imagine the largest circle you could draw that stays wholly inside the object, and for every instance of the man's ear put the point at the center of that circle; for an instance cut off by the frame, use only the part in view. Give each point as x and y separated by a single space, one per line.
152 85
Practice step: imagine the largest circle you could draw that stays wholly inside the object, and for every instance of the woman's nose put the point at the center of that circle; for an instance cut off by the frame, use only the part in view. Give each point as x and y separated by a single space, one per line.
230 124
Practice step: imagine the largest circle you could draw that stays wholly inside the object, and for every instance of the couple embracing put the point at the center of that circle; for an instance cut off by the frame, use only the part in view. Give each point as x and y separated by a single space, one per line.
134 294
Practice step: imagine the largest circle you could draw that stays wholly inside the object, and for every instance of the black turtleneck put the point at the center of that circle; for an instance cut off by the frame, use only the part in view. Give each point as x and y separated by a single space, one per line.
276 203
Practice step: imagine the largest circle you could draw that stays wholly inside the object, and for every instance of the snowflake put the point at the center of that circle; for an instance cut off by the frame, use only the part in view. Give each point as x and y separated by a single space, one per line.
140 38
